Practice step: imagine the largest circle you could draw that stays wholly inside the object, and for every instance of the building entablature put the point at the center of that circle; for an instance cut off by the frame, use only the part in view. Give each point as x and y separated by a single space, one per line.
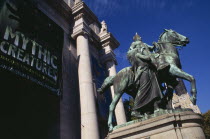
83 17
81 9
109 40
103 40
108 43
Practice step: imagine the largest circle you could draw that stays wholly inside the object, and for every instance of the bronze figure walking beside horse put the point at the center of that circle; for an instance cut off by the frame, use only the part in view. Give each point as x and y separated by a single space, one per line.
167 65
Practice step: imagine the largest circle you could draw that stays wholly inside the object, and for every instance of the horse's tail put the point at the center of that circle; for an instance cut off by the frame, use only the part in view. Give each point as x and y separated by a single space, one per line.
106 84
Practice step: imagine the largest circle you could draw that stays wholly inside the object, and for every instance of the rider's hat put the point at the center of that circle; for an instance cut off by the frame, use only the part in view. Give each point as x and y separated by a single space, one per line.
137 37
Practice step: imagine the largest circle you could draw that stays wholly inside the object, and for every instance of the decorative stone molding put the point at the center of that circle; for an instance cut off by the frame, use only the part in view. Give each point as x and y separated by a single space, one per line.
83 29
108 43
83 17
81 7
80 29
109 39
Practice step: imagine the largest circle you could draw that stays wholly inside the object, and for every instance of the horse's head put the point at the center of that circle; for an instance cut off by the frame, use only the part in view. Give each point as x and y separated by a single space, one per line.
171 36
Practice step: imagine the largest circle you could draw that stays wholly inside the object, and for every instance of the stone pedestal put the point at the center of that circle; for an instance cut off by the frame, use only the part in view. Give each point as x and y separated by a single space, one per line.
173 125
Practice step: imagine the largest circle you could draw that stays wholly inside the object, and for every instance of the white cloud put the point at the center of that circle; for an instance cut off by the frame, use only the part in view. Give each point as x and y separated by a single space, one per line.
113 7
104 7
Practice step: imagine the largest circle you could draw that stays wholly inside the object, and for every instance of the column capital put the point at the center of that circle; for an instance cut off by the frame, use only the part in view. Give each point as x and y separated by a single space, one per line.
80 29
83 17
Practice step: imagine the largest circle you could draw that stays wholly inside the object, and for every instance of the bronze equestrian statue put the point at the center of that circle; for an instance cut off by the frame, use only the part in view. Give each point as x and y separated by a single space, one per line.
134 80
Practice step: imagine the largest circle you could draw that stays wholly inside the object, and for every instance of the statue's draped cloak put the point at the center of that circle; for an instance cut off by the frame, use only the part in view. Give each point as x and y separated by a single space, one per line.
145 83
148 89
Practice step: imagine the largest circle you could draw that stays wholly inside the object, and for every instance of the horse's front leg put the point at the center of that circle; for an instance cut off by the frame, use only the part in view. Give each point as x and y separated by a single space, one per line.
112 108
174 70
106 84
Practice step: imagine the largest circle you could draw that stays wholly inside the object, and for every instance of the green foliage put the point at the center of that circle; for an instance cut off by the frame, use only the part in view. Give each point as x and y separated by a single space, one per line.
128 105
206 124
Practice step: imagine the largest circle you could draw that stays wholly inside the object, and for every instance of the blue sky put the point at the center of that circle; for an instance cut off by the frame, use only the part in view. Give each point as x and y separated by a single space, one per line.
149 17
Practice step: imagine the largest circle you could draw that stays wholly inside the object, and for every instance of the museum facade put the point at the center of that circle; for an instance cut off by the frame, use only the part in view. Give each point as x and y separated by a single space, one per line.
54 54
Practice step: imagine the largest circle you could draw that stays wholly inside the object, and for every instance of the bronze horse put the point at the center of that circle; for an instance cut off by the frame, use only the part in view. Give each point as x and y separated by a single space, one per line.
166 60
168 63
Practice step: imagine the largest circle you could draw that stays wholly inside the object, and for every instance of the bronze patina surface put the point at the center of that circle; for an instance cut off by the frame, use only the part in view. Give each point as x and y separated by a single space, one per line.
151 66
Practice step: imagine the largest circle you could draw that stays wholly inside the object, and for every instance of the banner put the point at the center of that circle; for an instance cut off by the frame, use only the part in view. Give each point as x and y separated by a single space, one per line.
30 44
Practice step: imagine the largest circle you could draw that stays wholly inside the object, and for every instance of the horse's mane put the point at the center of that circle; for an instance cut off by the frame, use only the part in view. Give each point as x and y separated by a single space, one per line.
161 35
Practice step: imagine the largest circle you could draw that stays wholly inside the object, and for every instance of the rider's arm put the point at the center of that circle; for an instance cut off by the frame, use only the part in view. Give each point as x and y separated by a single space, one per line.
133 46
151 48
144 57
156 46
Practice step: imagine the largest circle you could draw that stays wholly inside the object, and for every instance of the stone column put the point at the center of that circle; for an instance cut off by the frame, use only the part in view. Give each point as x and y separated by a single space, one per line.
109 43
82 34
89 120
119 110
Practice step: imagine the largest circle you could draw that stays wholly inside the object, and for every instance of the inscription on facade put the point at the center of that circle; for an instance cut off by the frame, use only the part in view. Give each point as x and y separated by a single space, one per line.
30 44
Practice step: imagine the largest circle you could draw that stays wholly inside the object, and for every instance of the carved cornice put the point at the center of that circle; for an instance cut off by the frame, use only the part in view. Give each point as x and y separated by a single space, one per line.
83 17
108 43
81 8
84 29
109 39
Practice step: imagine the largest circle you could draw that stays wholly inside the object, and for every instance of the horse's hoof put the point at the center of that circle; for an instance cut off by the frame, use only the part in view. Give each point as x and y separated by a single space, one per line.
110 129
136 114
